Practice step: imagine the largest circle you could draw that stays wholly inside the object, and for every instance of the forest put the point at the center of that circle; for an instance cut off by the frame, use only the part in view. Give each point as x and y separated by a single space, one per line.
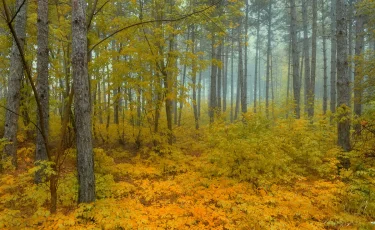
187 114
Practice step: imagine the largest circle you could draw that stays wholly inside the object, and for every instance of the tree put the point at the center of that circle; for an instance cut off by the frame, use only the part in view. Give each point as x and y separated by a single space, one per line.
333 57
306 50
82 107
269 66
296 78
325 75
42 81
311 91
14 83
358 77
343 81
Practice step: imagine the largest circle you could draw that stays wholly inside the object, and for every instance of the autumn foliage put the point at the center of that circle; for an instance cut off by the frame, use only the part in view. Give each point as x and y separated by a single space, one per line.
248 175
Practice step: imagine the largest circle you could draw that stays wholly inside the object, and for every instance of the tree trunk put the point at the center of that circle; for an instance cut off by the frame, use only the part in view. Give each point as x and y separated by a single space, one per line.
82 107
194 79
219 77
268 57
225 79
213 98
42 82
333 57
14 85
232 79
240 75
358 90
306 49
256 63
325 75
350 37
288 81
182 92
296 79
244 76
343 82
311 92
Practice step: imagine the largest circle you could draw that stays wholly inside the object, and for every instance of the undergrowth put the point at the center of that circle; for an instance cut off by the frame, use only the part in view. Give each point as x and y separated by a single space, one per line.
253 174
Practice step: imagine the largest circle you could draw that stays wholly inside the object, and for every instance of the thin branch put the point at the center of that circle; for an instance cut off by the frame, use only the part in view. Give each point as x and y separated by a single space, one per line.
151 21
18 10
91 15
17 114
100 8
29 77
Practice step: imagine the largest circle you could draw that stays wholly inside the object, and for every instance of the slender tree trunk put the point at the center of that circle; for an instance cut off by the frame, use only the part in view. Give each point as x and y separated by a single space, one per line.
350 37
42 82
225 79
325 75
343 82
288 81
306 49
311 92
256 63
240 75
232 79
194 79
14 85
199 93
244 76
333 56
219 77
358 90
85 156
182 92
213 98
296 78
268 56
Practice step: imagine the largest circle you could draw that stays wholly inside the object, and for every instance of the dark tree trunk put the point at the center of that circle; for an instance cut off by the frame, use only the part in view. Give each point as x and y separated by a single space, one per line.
333 57
311 92
213 98
42 82
82 107
14 85
296 78
256 63
306 50
268 56
358 78
325 75
343 82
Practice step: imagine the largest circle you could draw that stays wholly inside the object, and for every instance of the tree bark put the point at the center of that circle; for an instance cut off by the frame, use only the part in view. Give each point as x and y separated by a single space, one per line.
325 75
358 78
232 78
244 76
333 57
306 50
14 85
82 107
213 98
268 56
256 62
296 78
42 82
311 92
343 81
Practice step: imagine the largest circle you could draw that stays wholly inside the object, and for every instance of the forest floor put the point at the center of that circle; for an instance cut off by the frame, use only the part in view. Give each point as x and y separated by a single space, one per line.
224 177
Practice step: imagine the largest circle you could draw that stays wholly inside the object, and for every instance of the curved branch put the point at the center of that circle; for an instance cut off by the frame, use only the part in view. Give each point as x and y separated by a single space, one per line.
152 21
29 77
